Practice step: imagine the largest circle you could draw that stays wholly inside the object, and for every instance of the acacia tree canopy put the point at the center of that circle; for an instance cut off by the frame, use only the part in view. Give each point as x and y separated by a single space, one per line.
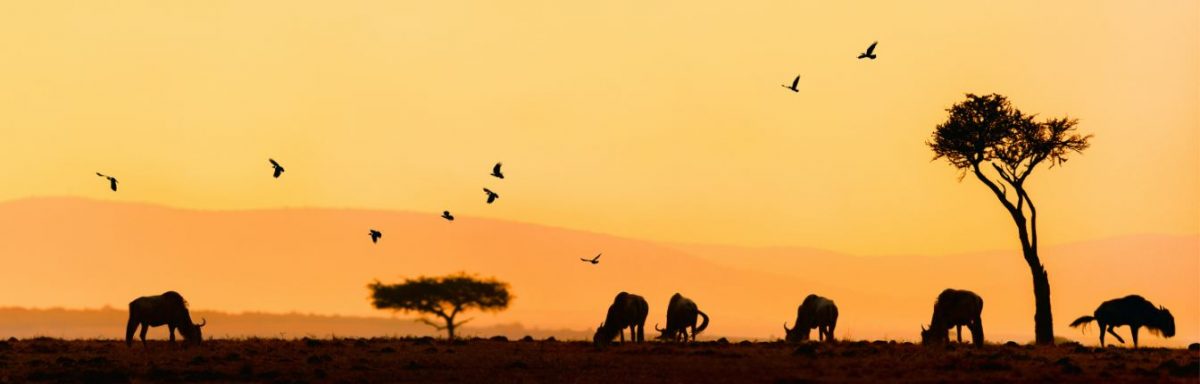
444 297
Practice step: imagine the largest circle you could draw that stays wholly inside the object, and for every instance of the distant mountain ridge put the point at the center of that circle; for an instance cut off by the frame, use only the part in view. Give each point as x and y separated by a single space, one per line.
80 253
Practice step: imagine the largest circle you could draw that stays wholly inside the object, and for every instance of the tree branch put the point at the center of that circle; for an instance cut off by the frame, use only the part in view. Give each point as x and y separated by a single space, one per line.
456 325
432 324
1032 218
996 190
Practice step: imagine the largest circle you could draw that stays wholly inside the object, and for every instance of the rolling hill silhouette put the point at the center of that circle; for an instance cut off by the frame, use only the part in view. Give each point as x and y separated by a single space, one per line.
79 253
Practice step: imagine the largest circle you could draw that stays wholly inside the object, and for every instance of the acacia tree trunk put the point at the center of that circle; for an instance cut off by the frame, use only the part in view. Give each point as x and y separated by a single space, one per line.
1043 320
449 328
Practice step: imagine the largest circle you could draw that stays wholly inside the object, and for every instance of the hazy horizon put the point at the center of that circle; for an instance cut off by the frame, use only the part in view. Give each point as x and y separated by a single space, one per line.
261 266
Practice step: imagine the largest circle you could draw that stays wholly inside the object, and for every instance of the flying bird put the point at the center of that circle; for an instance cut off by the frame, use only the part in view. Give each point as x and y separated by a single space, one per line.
446 215
492 196
795 85
594 260
278 168
870 53
375 235
112 181
496 171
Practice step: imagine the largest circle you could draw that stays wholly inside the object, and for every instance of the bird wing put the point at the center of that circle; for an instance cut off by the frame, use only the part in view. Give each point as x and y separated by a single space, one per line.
871 48
100 174
496 169
273 163
796 82
488 191
597 256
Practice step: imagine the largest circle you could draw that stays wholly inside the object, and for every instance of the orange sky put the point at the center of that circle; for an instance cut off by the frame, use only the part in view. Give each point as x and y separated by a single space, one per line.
660 121
663 122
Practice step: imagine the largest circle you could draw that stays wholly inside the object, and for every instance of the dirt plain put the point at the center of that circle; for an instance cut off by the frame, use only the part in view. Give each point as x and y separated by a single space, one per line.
426 360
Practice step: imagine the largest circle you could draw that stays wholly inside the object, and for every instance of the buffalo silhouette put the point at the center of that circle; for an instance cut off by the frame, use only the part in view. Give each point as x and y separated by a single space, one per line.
681 315
168 309
955 308
627 310
1134 311
815 312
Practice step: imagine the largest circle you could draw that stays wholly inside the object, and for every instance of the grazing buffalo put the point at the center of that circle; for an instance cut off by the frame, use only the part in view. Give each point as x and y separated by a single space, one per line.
167 309
681 315
1134 311
955 308
627 310
815 312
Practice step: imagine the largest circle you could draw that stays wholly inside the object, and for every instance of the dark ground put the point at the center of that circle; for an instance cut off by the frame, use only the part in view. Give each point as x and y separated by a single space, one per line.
488 361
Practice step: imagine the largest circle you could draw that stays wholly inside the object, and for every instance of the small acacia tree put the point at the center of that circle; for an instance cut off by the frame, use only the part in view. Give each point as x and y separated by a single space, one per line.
987 135
444 297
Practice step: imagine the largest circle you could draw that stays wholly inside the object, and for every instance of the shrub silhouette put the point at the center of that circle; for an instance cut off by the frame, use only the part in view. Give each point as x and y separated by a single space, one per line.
444 297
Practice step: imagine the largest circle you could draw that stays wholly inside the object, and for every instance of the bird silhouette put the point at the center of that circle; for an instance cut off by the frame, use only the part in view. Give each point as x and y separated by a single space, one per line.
375 235
492 196
496 171
795 85
112 181
594 260
870 53
446 215
278 168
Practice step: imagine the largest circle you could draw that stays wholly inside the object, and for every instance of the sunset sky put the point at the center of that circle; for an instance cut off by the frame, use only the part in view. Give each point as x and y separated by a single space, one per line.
660 121
632 125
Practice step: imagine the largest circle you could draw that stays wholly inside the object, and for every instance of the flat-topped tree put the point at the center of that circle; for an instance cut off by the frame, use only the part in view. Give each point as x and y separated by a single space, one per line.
989 138
444 297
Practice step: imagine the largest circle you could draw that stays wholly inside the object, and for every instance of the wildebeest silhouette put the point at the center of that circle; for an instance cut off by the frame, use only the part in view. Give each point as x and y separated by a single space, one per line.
1134 311
168 309
627 311
955 308
815 312
681 315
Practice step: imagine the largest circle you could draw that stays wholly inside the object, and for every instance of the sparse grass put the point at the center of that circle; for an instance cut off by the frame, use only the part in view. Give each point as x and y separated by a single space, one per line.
485 360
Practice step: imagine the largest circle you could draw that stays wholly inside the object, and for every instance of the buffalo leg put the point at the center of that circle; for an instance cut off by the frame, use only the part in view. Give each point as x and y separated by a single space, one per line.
641 332
171 330
976 328
959 329
145 327
1101 333
130 327
1133 328
621 333
1114 333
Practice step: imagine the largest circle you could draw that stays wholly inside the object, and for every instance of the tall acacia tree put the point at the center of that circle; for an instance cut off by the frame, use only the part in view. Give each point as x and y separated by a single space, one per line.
444 297
986 136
